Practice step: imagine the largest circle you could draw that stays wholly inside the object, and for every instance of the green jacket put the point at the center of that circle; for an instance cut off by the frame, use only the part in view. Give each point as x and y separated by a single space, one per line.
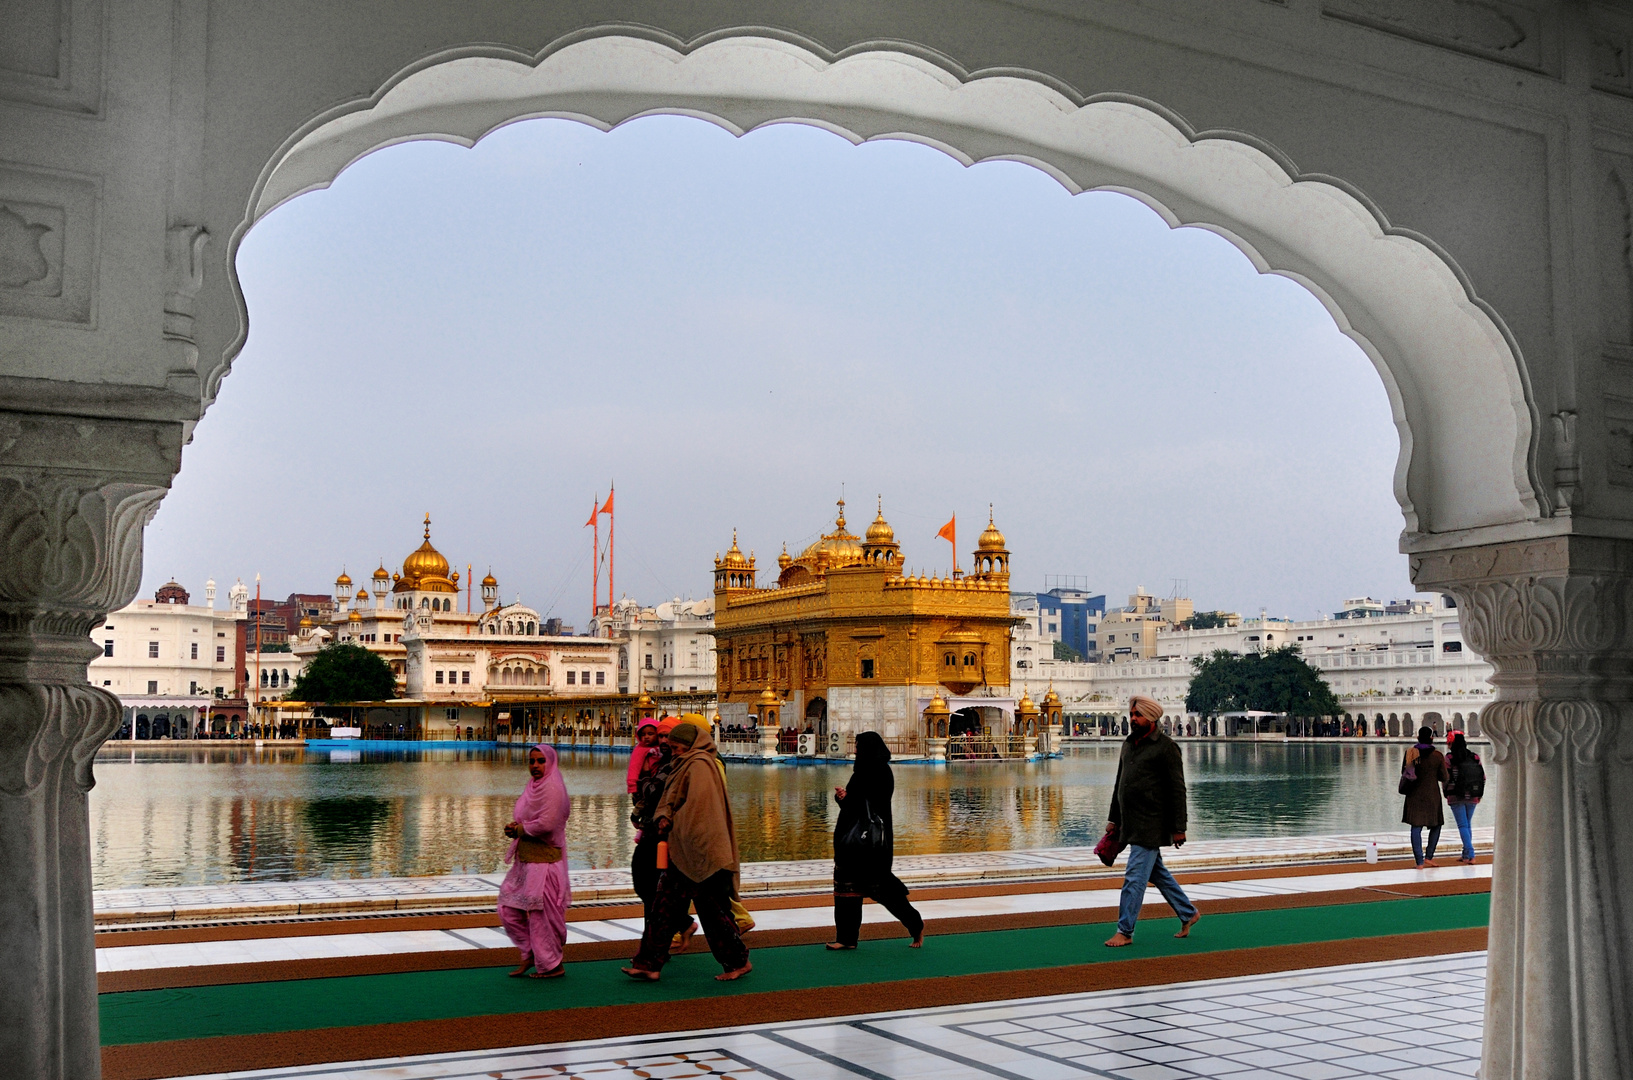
1148 801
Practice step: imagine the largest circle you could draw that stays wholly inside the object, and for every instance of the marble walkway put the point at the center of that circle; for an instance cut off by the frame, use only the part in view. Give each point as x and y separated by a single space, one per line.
1096 904
335 897
1401 1020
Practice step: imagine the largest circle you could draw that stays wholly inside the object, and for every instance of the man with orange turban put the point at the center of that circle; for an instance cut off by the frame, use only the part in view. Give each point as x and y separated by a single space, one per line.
1148 813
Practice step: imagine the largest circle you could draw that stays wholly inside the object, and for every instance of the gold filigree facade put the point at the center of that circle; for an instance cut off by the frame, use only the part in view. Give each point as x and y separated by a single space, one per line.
844 619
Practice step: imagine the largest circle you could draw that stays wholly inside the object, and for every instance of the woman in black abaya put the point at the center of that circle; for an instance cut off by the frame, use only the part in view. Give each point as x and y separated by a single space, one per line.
864 847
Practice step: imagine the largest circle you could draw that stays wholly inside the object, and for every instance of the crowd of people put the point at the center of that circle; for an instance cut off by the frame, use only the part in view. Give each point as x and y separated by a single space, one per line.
686 857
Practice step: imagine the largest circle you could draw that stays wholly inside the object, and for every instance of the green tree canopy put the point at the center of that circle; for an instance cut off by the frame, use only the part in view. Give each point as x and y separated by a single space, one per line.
1275 681
343 673
1205 620
1064 651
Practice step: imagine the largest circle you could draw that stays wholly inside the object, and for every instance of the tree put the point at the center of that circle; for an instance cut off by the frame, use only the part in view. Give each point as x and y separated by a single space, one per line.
1276 681
1204 620
343 673
1064 651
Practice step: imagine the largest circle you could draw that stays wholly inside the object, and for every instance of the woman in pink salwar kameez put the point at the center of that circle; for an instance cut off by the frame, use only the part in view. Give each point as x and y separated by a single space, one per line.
534 899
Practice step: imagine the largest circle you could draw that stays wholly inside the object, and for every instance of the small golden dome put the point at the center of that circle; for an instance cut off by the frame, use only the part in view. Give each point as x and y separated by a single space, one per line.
1051 699
361 595
991 538
784 560
355 616
490 582
343 581
1026 706
937 707
768 697
381 574
838 548
734 556
306 622
880 531
644 701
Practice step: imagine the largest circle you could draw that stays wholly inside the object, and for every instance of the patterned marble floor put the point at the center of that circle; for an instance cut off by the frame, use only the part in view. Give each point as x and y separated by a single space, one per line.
1402 1020
271 899
252 949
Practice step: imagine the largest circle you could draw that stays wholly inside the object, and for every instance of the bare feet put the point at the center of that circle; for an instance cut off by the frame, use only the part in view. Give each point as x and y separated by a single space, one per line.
1185 925
835 946
527 962
918 941
640 974
1118 940
728 976
684 938
554 973
1426 863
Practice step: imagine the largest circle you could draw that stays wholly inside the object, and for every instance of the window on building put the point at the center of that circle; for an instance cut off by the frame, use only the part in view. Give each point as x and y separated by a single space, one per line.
194 655
439 678
649 661
153 650
107 648
107 682
465 677
221 654
453 714
600 678
867 667
1451 646
572 678
192 687
153 686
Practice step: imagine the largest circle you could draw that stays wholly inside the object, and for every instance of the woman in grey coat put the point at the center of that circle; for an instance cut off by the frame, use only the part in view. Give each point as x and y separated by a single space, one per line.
1424 808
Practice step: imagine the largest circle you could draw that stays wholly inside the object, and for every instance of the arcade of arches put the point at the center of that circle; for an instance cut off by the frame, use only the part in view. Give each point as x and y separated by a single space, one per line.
1452 183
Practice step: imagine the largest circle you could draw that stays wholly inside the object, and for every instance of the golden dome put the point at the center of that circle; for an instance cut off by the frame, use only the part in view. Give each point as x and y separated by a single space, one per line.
381 574
361 596
425 570
355 616
1051 699
880 531
991 538
1026 706
490 582
343 581
768 697
838 548
306 622
784 559
734 556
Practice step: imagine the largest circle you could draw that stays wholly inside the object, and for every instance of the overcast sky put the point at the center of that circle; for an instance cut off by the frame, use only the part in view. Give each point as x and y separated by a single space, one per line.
737 330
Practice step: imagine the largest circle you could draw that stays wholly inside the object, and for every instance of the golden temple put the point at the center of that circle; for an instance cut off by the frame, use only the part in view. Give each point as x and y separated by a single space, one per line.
847 641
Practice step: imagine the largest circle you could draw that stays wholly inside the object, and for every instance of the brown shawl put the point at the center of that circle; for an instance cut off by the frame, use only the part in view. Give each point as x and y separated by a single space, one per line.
702 840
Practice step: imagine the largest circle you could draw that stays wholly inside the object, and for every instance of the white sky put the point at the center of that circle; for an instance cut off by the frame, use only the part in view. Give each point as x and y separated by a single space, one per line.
732 329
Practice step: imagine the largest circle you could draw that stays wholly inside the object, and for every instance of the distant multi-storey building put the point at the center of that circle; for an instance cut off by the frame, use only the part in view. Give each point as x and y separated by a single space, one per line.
1393 667
168 661
662 649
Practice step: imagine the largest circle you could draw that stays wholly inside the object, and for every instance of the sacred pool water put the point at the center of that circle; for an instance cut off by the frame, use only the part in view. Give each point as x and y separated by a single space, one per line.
200 816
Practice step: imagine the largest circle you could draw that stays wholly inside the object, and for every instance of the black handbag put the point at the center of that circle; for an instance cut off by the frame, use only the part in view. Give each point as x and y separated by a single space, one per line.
866 835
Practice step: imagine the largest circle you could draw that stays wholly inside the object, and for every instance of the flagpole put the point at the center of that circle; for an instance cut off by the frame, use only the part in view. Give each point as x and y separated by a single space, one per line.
595 555
612 559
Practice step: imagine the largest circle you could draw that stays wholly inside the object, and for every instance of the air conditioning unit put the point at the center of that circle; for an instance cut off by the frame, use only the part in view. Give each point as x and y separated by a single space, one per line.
806 746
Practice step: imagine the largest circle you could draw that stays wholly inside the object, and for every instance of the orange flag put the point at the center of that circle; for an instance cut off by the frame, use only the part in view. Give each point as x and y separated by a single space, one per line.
607 509
593 515
949 531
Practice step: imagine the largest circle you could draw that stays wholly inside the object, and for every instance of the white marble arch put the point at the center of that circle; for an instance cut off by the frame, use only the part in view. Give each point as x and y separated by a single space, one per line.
1458 388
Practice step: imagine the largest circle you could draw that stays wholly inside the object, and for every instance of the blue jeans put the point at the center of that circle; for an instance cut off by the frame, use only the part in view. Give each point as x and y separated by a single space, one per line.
1463 814
1417 842
1145 867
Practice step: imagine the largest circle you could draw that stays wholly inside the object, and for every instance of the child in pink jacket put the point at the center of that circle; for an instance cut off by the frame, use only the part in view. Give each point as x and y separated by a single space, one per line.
646 746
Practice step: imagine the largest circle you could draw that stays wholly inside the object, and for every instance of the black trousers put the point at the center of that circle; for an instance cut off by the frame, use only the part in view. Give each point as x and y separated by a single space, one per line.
676 894
888 892
643 869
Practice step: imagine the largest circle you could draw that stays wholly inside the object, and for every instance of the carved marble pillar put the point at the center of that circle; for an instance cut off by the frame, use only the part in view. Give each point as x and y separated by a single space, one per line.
75 493
1555 618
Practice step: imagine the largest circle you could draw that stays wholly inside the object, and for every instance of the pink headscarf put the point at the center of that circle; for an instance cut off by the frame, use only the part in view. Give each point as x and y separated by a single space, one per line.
544 801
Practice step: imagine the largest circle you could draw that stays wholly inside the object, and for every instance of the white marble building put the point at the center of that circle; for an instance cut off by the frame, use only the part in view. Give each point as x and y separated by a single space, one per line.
662 648
1405 670
166 659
